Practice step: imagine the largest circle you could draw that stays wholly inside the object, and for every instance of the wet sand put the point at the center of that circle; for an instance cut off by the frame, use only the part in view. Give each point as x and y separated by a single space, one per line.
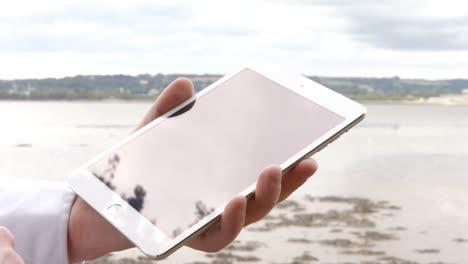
399 181
326 229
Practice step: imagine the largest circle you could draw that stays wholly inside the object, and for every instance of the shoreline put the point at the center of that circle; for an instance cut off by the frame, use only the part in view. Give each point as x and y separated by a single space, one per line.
444 101
411 156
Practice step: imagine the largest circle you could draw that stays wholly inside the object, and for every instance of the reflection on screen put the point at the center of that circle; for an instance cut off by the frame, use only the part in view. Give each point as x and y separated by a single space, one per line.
183 168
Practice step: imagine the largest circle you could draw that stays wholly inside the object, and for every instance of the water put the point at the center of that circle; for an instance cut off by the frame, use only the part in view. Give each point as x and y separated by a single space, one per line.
47 140
414 156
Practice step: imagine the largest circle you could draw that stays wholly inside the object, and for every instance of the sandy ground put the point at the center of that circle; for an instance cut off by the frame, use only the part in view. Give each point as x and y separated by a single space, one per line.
406 162
327 229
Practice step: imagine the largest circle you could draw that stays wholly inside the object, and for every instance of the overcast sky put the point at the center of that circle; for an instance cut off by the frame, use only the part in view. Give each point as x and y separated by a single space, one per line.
410 38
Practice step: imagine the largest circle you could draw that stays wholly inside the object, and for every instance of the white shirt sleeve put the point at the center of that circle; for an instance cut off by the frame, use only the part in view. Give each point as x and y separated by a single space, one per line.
37 215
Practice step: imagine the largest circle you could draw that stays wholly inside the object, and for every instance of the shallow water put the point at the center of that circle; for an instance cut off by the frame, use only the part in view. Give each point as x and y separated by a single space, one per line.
413 156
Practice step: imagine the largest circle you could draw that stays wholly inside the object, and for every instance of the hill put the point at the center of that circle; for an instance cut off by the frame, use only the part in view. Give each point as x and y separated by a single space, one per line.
146 86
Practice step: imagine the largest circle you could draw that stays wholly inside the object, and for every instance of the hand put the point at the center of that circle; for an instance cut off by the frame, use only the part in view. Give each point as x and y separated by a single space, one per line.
90 235
8 254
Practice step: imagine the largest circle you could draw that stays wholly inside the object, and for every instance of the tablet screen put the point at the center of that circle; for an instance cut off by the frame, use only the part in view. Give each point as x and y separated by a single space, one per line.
189 164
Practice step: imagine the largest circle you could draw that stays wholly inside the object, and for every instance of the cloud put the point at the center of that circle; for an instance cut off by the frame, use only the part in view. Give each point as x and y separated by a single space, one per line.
224 30
90 27
401 25
102 12
320 37
410 32
123 26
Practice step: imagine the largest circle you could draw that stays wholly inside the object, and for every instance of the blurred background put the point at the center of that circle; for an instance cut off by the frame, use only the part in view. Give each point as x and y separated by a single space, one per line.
77 76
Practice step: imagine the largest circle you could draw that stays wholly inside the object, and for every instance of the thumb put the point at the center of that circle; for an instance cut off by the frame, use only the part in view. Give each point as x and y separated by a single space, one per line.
176 93
6 238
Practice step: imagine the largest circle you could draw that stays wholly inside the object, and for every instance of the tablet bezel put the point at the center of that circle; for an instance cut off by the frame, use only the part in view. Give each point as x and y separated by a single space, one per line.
150 239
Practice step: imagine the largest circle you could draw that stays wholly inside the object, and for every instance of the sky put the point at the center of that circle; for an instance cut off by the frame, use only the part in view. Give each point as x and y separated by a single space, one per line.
369 38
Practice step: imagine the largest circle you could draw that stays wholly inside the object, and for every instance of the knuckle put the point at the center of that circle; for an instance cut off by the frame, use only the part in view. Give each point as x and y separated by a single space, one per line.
6 235
254 216
7 252
255 219
262 212
8 255
4 232
214 249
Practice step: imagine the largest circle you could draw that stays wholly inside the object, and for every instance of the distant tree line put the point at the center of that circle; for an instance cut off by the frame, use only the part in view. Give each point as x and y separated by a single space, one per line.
146 86
392 88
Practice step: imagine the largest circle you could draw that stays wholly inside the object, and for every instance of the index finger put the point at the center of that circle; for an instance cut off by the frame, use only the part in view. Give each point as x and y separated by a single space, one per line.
176 93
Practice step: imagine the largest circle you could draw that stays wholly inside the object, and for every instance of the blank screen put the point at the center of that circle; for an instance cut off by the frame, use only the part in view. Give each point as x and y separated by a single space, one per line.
187 165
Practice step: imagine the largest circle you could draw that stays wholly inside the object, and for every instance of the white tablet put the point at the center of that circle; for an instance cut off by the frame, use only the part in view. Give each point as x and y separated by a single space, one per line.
172 178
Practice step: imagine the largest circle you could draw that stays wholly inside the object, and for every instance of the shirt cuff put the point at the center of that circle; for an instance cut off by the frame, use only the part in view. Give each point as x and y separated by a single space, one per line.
37 214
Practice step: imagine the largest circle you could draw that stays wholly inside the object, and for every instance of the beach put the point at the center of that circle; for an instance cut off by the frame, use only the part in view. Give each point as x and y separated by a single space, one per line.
391 190
327 229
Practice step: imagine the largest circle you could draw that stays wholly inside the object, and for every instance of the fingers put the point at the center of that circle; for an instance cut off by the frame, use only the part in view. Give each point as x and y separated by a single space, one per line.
296 177
7 248
267 193
271 188
6 238
176 93
224 232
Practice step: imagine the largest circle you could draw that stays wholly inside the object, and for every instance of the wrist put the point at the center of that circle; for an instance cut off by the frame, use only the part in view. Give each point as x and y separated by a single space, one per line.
90 235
